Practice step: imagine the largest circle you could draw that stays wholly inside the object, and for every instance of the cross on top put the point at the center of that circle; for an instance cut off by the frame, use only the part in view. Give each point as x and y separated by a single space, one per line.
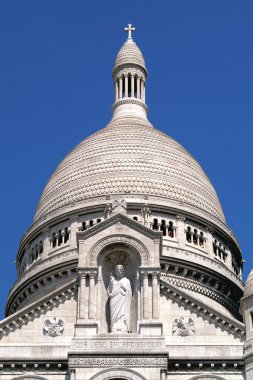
130 29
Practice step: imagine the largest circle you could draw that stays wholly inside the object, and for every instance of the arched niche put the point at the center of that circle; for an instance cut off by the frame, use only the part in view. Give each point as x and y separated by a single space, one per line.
109 257
124 239
118 373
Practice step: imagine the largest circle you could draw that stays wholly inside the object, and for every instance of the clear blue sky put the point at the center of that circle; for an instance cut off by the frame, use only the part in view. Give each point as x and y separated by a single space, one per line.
56 89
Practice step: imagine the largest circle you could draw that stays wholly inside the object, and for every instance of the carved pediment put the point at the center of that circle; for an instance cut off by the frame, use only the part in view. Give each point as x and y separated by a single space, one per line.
231 325
121 223
39 307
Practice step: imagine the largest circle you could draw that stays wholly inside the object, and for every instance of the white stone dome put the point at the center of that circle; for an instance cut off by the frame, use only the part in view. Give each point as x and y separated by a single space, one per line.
130 158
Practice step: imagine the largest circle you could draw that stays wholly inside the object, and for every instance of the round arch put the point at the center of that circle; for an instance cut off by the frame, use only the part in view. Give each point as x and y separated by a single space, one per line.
114 239
118 373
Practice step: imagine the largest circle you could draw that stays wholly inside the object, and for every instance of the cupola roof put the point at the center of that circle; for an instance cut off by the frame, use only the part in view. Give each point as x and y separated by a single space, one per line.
129 53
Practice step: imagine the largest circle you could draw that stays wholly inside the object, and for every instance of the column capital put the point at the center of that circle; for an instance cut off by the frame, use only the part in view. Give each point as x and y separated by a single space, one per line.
92 271
155 274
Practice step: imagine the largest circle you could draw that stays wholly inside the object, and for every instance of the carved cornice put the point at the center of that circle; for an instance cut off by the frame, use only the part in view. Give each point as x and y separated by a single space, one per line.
200 288
43 264
22 369
129 101
205 261
28 313
232 326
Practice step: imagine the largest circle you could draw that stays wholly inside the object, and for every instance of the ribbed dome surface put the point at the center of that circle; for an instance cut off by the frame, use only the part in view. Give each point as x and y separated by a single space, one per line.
129 53
131 158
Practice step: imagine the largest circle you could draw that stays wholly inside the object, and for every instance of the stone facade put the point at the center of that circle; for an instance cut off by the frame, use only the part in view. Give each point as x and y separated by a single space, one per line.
129 269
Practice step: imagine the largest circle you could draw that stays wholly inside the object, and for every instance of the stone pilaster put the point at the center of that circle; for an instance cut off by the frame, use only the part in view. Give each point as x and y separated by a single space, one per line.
181 231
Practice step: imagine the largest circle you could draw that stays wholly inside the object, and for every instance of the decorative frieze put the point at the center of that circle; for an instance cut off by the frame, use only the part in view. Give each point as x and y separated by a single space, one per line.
119 361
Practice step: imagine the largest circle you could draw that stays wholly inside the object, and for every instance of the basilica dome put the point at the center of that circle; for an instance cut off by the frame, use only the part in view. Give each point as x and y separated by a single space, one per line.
131 158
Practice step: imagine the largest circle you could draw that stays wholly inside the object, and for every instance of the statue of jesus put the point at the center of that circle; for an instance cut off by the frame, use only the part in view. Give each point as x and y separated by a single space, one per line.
120 295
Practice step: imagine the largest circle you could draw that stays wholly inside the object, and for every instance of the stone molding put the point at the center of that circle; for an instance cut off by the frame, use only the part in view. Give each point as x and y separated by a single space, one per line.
207 377
39 283
28 313
204 261
42 265
122 101
197 287
98 247
29 377
231 326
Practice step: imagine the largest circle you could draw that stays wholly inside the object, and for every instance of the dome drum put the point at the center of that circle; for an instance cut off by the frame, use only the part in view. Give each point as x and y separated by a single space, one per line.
181 236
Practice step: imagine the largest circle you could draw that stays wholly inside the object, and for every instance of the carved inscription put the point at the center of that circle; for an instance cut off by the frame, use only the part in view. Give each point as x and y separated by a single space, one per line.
117 345
136 362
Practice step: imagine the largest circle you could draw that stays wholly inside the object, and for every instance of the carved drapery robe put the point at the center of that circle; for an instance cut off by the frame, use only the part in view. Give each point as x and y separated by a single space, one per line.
120 295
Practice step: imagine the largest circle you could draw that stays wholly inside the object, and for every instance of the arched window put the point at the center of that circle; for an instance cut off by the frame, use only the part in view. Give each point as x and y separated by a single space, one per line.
66 235
32 256
201 239
36 251
135 218
214 247
163 227
189 235
195 237
155 224
59 238
53 240
40 247
171 230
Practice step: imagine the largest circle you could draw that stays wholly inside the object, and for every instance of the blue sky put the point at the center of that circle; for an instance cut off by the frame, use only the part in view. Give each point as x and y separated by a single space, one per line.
56 89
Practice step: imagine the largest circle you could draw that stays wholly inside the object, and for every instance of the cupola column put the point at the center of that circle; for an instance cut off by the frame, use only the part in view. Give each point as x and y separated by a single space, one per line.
126 86
138 87
132 85
120 87
143 91
116 90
